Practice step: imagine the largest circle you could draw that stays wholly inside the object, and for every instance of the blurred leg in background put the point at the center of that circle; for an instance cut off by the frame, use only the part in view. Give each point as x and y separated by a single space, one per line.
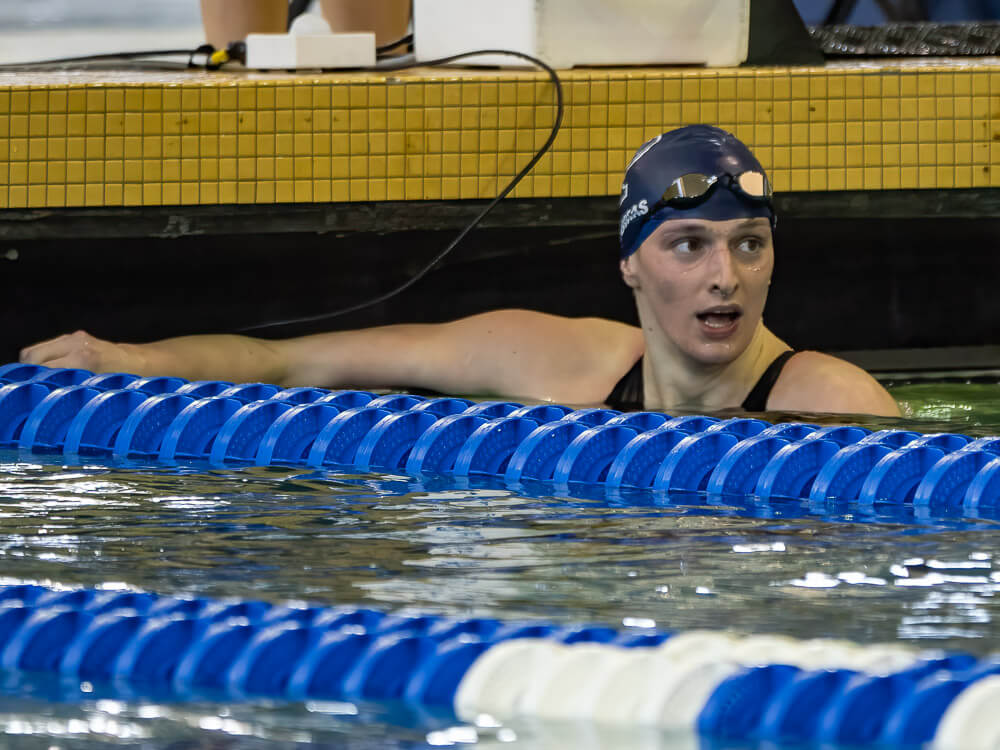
389 19
231 20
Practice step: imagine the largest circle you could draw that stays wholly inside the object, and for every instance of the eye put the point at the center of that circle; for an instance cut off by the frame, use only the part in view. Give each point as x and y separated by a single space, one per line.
686 246
750 245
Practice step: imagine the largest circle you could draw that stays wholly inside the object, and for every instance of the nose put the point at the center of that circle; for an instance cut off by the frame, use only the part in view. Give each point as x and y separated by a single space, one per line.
723 276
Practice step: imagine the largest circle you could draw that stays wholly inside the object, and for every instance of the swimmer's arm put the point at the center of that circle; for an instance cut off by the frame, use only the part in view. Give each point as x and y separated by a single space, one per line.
517 353
812 381
514 353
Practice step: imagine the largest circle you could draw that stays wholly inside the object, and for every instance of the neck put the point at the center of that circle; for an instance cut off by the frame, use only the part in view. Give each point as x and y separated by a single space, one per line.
672 378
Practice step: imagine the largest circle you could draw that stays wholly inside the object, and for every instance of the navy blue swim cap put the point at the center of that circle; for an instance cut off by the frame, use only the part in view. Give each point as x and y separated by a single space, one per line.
695 149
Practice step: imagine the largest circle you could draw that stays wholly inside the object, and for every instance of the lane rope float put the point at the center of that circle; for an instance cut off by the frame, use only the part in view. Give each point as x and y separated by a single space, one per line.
75 413
720 685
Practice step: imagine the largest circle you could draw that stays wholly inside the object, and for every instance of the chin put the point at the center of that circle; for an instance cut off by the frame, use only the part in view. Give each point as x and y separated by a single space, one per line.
717 352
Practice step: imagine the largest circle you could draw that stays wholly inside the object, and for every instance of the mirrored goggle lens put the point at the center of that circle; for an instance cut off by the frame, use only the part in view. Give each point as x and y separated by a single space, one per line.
689 186
754 184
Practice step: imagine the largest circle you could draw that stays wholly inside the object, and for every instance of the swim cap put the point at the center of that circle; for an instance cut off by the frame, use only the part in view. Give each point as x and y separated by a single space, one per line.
695 149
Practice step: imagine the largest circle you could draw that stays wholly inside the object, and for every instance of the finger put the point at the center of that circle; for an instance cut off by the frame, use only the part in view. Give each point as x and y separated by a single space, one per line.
44 352
71 361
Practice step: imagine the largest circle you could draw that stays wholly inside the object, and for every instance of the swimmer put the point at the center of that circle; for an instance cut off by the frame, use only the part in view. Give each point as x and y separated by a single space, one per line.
695 231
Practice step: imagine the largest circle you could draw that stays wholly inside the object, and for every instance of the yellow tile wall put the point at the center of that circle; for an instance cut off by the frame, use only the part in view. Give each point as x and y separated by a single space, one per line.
105 139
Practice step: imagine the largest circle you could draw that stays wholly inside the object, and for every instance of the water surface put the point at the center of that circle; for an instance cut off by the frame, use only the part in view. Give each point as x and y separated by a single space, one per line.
475 548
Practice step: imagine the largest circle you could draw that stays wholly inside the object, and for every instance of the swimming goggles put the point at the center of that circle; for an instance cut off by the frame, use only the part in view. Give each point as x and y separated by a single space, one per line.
691 189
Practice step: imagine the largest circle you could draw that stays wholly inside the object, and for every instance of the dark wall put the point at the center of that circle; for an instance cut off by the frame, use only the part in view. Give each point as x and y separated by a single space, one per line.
838 284
886 283
137 290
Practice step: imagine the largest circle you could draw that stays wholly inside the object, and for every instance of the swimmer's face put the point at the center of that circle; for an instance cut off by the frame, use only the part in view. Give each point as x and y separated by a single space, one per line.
703 284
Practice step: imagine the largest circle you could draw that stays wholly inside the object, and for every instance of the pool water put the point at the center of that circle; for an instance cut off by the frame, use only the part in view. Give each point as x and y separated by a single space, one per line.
478 548
955 404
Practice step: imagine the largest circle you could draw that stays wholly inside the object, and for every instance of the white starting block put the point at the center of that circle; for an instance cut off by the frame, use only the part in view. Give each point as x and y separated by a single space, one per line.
566 33
302 51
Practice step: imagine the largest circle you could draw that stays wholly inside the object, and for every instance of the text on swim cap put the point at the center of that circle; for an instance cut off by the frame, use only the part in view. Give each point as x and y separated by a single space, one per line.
643 150
631 214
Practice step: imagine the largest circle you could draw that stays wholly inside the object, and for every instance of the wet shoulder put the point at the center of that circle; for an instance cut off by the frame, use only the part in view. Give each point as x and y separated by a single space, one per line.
614 348
814 381
550 357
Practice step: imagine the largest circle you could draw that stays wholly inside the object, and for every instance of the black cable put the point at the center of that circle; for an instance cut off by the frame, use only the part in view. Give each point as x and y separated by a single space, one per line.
408 39
471 225
190 53
237 51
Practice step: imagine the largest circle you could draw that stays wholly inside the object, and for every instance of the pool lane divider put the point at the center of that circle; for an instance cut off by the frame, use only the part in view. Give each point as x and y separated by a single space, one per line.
123 416
136 644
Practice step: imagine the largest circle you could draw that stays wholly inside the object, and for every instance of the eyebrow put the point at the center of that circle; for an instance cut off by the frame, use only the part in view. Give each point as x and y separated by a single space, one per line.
684 227
691 227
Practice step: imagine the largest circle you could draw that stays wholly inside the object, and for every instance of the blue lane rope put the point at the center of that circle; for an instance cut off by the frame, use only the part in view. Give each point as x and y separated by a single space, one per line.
760 688
76 413
253 647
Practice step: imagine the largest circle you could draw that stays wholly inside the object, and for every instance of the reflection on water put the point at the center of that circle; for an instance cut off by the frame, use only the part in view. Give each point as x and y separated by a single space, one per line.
394 542
465 548
390 542
31 718
952 405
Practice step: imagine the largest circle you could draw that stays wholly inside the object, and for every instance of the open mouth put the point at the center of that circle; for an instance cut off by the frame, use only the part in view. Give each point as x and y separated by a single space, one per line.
720 318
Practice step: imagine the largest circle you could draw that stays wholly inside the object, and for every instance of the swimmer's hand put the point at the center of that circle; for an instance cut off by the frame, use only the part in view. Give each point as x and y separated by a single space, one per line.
207 357
83 351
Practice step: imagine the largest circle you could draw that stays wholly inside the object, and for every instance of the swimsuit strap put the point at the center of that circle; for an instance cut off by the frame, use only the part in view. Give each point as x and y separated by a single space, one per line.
627 395
756 400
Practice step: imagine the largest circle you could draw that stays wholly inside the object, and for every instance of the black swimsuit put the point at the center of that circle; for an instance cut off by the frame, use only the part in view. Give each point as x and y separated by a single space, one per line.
627 395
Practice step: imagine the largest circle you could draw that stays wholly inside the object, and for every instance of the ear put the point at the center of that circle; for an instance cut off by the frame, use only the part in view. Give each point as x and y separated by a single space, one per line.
628 269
